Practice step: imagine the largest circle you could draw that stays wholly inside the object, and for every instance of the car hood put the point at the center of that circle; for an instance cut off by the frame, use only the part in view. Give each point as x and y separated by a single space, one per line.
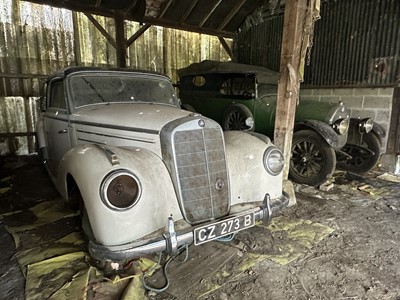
145 116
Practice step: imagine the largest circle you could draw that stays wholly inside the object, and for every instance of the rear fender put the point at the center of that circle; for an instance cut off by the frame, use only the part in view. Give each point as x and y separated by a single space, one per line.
323 129
90 164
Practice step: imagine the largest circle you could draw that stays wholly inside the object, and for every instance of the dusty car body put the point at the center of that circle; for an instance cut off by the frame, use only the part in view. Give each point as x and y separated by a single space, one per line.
243 97
151 176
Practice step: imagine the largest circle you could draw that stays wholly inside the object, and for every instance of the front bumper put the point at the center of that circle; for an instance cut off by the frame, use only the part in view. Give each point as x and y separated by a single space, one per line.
171 240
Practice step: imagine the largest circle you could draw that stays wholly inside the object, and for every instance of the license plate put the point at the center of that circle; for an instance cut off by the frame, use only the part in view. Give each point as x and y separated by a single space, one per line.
222 228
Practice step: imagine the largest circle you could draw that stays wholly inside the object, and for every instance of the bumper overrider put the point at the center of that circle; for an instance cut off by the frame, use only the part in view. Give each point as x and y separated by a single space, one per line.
172 240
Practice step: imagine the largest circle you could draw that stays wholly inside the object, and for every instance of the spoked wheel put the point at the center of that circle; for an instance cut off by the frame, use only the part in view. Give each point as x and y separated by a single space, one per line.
313 160
364 156
235 117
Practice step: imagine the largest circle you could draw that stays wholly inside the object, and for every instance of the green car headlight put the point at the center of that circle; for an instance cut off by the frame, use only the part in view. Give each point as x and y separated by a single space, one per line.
273 161
341 126
366 125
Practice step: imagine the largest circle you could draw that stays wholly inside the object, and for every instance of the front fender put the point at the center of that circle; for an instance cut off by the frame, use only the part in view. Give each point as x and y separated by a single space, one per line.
323 129
90 164
355 137
249 181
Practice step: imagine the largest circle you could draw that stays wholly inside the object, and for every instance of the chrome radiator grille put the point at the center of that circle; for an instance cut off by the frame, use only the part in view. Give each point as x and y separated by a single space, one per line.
201 173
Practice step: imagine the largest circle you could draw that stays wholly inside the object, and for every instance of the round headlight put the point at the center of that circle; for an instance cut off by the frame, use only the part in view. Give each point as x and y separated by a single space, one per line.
366 125
249 123
273 160
120 190
341 126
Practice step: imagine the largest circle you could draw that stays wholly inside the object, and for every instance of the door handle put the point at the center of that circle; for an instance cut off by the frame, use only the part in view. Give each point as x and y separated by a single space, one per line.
63 131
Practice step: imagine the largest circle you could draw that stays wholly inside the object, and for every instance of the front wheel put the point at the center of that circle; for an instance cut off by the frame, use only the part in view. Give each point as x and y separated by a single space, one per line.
235 118
364 155
313 160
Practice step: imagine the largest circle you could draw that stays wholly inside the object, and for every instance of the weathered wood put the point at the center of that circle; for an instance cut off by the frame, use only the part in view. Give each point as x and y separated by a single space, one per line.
120 41
104 32
231 14
226 47
209 13
288 87
137 34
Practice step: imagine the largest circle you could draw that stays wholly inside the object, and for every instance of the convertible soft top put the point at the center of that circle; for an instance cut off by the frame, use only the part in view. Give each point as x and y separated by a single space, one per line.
69 70
218 67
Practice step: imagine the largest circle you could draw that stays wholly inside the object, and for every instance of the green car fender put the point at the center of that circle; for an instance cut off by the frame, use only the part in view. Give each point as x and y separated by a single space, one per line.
323 129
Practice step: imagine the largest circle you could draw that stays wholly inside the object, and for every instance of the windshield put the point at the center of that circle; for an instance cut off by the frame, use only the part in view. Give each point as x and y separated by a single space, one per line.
266 89
101 88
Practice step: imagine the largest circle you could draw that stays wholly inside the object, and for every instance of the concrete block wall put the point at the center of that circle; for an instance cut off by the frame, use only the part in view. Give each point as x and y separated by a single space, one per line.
375 103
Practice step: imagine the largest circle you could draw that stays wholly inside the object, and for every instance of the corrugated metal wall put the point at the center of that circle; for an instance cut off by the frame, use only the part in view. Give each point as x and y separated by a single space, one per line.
356 43
36 40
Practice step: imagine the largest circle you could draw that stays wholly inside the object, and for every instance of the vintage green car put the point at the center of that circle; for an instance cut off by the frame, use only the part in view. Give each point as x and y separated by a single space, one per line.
243 97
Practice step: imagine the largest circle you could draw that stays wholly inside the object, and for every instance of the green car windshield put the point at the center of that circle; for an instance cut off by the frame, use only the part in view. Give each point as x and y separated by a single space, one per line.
264 90
94 89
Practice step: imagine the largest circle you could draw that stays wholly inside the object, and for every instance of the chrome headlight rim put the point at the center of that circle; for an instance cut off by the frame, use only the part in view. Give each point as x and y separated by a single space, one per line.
341 126
108 179
366 125
270 151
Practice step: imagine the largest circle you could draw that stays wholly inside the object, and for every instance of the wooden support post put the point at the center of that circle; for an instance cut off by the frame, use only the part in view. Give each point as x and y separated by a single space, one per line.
120 41
288 87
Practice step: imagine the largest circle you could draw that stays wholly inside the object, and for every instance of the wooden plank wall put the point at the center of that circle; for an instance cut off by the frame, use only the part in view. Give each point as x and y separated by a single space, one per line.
37 40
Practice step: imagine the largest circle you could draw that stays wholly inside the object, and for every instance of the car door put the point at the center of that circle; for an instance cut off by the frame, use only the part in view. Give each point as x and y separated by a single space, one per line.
56 124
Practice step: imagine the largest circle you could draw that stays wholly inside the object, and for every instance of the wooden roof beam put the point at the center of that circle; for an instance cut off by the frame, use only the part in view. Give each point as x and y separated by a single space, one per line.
226 47
109 38
165 9
213 8
188 11
231 14
187 27
137 34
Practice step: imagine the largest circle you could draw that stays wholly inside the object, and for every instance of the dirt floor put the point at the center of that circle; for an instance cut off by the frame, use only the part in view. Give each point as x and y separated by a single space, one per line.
342 243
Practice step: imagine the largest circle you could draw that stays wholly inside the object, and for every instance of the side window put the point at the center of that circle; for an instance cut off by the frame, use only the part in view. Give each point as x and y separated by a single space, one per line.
57 97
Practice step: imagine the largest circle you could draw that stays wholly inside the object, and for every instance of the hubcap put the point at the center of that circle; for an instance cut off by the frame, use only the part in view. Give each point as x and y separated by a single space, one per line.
307 159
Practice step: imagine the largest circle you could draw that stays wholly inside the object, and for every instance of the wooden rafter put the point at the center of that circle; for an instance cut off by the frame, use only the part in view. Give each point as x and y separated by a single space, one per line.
213 8
231 14
109 38
165 8
188 11
137 34
226 47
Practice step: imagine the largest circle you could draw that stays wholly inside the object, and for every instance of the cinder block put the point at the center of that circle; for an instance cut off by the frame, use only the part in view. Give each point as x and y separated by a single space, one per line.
306 92
309 98
386 92
366 92
384 102
330 99
343 92
353 101
383 116
321 92
362 113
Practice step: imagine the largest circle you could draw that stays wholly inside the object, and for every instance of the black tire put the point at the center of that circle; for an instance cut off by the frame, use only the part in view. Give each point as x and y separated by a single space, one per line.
313 159
235 117
362 160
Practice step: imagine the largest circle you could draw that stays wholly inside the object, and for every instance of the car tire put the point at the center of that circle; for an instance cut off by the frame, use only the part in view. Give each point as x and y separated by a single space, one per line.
362 161
313 159
235 117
